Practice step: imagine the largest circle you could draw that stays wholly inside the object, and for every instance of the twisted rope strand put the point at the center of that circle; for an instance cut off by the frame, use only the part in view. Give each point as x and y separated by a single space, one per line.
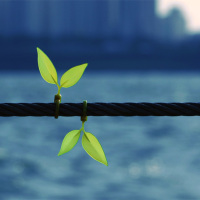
101 109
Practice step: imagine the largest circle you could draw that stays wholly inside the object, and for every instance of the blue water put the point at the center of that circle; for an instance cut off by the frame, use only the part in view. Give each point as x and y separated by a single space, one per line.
150 158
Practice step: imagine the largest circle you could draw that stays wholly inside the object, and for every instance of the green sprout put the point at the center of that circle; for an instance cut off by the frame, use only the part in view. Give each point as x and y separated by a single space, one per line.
49 73
68 79
89 142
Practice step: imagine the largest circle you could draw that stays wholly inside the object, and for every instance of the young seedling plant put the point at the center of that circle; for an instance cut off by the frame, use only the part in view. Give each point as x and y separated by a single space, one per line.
89 142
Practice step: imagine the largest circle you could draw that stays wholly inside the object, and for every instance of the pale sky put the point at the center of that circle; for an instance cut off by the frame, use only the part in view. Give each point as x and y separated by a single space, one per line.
190 9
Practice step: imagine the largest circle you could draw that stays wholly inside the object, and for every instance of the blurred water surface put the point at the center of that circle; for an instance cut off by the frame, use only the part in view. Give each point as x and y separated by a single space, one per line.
150 158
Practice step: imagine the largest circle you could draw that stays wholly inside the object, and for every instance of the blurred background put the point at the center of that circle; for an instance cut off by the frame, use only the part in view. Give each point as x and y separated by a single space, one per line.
138 51
127 34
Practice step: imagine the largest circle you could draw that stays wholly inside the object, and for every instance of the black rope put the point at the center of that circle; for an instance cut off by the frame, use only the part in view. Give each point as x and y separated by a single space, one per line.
101 109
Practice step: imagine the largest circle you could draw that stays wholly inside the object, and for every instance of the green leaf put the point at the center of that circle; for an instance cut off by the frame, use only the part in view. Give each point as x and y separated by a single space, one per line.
46 67
72 76
93 148
69 141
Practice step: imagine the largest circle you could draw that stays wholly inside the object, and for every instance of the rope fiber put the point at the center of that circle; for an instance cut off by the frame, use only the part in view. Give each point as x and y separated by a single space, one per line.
100 109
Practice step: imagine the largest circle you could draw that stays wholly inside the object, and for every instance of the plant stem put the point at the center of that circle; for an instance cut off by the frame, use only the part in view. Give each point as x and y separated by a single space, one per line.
83 129
83 126
59 89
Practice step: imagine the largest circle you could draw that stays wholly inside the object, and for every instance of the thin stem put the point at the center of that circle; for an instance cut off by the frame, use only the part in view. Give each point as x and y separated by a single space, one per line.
59 89
83 129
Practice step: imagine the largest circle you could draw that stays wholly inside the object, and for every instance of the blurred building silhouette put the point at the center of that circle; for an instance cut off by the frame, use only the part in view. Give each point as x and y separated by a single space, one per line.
172 27
125 19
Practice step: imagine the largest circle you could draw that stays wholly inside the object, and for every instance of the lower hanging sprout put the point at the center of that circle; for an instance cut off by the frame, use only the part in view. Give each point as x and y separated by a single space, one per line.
68 79
89 143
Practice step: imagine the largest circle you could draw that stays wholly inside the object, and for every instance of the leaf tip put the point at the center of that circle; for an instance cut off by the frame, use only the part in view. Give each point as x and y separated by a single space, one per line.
59 154
85 65
105 162
38 49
